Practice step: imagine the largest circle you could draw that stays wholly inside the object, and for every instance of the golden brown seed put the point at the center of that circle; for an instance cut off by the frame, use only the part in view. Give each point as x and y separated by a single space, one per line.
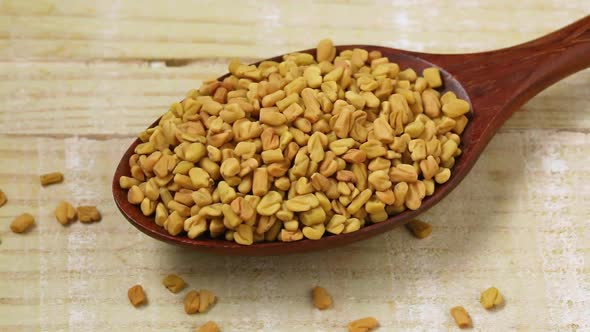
461 317
290 236
22 223
244 235
192 302
302 203
491 297
88 214
269 204
321 299
363 324
2 198
174 283
65 213
432 76
136 295
126 182
442 176
207 298
455 108
210 326
51 178
174 224
135 195
260 185
419 228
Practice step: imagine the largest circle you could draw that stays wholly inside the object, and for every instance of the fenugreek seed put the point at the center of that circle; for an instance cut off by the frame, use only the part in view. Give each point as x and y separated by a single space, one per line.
135 195
244 235
173 283
363 324
210 326
88 214
192 302
419 228
22 223
136 296
455 108
51 178
2 198
432 76
491 297
65 213
461 317
321 299
207 298
442 176
269 204
126 182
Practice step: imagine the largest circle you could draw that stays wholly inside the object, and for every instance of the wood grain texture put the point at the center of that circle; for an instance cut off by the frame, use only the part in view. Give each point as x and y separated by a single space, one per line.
78 80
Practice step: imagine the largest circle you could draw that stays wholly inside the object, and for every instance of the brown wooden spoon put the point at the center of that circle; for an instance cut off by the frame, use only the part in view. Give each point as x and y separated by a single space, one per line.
496 83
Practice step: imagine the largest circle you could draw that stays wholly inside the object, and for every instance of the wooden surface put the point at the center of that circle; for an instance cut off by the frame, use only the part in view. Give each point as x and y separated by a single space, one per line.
79 79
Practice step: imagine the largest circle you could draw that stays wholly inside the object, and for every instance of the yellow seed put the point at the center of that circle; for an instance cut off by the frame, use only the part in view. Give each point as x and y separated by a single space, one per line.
210 326
314 232
135 195
302 203
432 76
325 50
244 235
22 223
269 204
461 317
2 198
65 213
192 302
363 324
174 283
207 298
442 176
448 97
491 297
51 178
359 201
136 295
88 214
126 182
419 228
455 108
321 298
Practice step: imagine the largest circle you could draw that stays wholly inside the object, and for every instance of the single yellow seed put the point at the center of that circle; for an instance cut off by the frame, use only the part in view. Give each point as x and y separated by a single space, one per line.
455 108
135 195
363 324
432 76
51 178
136 296
65 213
192 302
2 198
88 214
174 283
491 297
210 326
419 228
321 299
22 223
461 317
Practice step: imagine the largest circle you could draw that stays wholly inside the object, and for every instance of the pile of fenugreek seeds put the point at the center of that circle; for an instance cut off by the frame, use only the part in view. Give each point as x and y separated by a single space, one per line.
294 149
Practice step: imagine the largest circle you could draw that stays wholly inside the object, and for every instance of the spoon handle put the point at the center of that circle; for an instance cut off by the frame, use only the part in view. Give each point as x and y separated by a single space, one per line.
499 82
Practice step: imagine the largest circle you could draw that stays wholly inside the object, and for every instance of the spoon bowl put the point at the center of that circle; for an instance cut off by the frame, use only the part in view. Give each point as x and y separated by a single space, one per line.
495 83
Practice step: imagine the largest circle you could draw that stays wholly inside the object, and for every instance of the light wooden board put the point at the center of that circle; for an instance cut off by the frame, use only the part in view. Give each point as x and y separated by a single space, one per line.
79 79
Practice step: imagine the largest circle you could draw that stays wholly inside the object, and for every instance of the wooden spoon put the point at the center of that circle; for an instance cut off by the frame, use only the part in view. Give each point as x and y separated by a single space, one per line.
496 83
